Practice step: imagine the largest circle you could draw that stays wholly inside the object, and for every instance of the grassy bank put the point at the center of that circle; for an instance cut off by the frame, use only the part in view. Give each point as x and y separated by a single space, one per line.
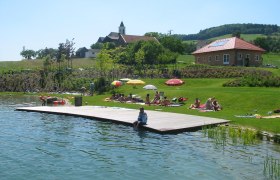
235 101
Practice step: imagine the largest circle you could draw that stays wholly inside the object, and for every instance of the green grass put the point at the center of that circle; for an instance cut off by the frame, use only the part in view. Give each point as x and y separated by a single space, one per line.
38 64
271 58
186 59
235 100
246 37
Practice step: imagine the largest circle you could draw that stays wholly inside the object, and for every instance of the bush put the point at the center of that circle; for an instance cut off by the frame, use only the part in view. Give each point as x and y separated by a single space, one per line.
255 80
203 71
101 85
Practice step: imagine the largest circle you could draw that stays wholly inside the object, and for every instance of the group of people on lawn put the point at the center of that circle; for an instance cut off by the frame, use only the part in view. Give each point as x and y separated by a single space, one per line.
210 104
122 98
163 101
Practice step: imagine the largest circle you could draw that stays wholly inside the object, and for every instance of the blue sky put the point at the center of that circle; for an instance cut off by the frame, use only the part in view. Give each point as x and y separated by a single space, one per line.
37 24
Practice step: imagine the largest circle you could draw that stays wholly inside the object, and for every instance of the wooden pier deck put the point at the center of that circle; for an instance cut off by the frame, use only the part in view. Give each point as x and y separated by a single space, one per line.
160 122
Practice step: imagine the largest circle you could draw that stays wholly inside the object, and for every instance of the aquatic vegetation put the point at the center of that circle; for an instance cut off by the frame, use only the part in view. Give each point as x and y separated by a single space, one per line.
224 135
229 135
271 168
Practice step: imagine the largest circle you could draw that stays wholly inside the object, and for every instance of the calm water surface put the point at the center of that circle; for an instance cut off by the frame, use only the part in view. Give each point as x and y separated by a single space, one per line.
44 146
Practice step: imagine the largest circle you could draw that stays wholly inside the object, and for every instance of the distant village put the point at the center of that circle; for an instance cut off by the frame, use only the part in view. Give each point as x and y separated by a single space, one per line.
119 38
229 51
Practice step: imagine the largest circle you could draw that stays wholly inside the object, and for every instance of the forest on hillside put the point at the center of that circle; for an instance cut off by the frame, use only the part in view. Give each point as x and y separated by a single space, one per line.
231 29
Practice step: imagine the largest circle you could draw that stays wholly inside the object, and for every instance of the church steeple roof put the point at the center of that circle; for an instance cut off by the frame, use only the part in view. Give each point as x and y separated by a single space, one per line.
121 24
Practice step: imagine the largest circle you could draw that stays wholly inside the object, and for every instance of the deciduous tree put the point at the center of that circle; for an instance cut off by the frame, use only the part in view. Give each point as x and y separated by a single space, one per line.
28 54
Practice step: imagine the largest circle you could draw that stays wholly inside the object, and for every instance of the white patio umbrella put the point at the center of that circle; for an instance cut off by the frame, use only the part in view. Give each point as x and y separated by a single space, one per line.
125 79
150 87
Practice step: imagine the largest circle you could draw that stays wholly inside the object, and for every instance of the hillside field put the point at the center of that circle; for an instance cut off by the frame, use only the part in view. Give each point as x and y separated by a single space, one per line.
246 37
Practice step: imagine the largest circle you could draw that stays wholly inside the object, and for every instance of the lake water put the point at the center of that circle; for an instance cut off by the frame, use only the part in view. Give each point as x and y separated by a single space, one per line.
45 146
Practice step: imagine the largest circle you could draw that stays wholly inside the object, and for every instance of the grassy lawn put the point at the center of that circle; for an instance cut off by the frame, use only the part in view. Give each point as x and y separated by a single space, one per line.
235 101
246 37
38 64
271 58
184 60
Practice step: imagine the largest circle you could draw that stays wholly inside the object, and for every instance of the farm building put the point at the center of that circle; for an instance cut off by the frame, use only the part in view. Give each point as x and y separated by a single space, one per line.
231 52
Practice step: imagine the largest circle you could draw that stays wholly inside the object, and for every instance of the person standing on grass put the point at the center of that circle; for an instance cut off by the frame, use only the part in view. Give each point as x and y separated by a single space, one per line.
142 119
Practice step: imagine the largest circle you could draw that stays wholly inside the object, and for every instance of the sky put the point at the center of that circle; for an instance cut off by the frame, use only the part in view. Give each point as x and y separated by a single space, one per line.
37 24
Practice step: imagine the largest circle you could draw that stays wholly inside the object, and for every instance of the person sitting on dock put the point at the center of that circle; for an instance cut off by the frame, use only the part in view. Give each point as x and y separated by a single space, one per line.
142 119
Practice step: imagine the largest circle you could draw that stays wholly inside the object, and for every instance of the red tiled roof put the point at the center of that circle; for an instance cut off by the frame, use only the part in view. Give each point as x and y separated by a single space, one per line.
133 38
226 44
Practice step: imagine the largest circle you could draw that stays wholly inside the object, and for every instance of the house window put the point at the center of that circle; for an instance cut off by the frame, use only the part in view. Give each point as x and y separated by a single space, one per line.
198 59
247 56
209 59
226 58
239 56
217 58
257 57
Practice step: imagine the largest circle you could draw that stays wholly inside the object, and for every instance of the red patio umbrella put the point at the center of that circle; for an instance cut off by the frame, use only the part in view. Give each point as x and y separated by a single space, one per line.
116 83
174 82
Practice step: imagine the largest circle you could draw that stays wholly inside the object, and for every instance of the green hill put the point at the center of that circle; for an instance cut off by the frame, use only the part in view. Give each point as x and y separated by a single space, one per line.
231 29
246 37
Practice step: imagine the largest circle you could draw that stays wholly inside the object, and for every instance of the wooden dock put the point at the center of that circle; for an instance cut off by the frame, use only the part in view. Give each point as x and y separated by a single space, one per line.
160 122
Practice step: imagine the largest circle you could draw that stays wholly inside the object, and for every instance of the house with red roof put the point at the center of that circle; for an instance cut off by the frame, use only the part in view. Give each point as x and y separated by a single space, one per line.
126 39
120 38
229 52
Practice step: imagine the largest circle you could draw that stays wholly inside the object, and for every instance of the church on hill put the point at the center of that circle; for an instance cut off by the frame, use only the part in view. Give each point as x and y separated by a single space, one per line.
121 38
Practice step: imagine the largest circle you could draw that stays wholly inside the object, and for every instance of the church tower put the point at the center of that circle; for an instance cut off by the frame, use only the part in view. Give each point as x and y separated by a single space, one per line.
122 29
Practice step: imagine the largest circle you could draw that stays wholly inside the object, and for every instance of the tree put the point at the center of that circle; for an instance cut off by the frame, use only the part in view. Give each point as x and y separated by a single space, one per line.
139 59
262 42
104 62
236 34
70 50
270 44
67 49
172 43
189 47
154 34
47 62
41 53
109 45
28 54
97 45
